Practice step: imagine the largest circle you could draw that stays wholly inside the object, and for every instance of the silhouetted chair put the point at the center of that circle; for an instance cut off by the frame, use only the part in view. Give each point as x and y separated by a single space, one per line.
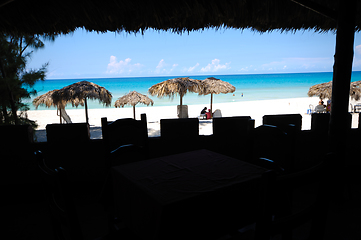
320 123
179 135
307 198
69 147
271 142
125 136
76 133
16 143
71 218
230 134
284 121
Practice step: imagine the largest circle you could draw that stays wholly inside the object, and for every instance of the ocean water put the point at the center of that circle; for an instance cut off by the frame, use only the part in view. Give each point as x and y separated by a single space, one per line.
248 87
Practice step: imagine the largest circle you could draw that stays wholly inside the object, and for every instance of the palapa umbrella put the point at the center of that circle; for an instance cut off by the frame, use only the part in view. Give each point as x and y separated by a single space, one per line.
78 93
133 98
213 85
47 100
324 90
176 86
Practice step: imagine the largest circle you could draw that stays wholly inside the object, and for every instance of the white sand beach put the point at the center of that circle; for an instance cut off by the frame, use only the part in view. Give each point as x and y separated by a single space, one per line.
255 109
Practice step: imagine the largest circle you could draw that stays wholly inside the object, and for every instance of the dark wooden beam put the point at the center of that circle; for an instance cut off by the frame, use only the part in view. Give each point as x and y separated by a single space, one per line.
325 11
342 70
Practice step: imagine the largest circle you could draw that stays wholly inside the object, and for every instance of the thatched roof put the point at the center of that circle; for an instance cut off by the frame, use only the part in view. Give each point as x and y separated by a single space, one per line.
216 86
76 93
324 90
172 87
53 17
45 99
133 98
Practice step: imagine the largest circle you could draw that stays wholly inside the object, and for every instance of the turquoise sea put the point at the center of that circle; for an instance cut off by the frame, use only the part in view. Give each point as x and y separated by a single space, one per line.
248 87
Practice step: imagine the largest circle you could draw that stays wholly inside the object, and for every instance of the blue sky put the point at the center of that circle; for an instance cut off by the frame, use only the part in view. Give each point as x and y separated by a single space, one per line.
209 52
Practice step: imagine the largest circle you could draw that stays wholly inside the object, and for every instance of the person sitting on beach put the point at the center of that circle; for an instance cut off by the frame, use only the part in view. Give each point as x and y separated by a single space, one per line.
321 103
209 114
204 110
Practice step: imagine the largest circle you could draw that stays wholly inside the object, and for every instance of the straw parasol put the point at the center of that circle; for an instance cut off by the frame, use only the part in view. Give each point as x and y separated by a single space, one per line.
133 98
175 86
78 93
324 90
213 85
47 100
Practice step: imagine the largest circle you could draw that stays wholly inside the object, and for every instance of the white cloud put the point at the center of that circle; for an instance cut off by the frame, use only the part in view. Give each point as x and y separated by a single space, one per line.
192 68
125 66
215 66
161 64
163 67
174 66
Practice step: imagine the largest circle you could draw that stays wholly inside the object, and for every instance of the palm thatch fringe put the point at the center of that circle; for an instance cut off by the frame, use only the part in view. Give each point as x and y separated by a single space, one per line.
177 16
78 93
324 90
133 98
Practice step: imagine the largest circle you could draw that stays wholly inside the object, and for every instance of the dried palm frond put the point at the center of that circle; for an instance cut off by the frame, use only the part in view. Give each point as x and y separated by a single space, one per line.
77 93
133 98
216 86
324 90
45 99
172 87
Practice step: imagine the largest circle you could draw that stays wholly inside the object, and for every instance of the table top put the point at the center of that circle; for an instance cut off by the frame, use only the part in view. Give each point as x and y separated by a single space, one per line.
176 177
188 193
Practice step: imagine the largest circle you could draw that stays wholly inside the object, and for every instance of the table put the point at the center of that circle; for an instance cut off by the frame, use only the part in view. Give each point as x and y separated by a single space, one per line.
189 194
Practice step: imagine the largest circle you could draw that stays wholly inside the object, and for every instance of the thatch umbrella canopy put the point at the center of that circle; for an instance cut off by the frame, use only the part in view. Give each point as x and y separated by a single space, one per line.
78 93
48 100
213 85
175 86
133 98
324 90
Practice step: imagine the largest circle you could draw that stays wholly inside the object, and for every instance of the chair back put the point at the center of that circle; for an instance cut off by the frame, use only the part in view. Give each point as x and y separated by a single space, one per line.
179 135
271 142
73 133
284 121
179 128
125 131
16 143
232 126
232 133
320 122
217 113
57 190
280 211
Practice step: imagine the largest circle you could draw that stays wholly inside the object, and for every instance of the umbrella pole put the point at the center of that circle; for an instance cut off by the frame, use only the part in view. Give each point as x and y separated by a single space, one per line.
180 106
86 111
211 105
134 112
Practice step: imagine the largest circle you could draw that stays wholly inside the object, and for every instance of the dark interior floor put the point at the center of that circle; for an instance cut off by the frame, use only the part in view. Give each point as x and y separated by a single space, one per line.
25 216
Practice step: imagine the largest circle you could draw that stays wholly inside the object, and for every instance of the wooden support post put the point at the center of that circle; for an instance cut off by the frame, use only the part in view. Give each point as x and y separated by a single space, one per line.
342 69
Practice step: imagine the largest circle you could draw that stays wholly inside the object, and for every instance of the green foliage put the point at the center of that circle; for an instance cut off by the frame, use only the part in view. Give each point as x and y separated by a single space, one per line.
16 82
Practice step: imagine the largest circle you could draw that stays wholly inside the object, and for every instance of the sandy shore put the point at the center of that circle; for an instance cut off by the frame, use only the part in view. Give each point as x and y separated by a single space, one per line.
255 109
